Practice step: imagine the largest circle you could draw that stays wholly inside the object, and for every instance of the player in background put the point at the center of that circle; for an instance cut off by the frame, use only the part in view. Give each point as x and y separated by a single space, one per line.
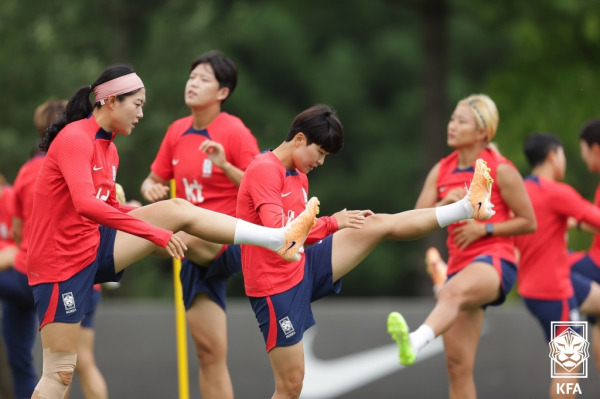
206 153
81 235
588 263
275 188
481 266
549 289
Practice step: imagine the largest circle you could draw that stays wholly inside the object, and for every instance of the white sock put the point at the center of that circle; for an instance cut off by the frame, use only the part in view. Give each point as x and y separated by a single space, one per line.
250 233
452 213
421 337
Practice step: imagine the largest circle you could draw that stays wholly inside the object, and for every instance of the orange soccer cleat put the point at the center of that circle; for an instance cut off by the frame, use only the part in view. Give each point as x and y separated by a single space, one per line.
480 192
297 230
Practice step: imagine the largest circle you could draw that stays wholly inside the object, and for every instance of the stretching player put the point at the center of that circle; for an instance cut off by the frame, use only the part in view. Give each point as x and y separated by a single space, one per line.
275 188
481 265
81 235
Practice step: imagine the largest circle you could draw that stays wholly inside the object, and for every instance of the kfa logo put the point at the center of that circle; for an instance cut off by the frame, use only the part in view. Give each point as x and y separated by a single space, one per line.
569 353
287 327
69 302
569 349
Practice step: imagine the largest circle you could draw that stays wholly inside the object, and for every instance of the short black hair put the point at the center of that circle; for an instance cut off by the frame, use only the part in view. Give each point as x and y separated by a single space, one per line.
590 131
321 126
538 145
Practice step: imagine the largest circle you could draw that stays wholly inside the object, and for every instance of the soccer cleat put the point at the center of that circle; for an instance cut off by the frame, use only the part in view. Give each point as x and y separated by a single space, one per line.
398 330
436 268
297 230
480 192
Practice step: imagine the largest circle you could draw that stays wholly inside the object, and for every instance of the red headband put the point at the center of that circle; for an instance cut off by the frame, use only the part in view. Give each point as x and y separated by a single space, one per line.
121 85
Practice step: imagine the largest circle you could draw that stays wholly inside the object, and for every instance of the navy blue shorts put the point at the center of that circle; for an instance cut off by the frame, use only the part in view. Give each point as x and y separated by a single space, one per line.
68 301
586 267
88 319
547 311
507 272
213 279
284 317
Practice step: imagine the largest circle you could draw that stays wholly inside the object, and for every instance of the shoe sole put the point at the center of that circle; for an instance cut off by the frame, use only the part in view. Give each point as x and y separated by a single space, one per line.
398 330
434 269
480 191
298 230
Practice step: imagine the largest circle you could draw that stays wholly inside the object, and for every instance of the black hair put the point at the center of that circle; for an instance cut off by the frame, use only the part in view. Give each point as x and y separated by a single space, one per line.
590 132
321 126
224 68
538 145
80 106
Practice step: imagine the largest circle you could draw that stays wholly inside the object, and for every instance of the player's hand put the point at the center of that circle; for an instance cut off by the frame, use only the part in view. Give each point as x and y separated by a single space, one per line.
467 233
352 219
156 192
176 247
215 152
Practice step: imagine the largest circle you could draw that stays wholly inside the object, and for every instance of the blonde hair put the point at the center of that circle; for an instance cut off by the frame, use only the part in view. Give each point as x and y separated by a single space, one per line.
48 113
485 112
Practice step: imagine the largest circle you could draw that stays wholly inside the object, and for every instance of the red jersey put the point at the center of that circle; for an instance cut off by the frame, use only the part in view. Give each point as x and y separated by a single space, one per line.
451 177
23 187
594 251
267 181
6 213
196 179
73 195
544 268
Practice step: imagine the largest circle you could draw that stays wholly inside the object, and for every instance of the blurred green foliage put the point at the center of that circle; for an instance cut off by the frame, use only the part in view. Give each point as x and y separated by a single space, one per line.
538 60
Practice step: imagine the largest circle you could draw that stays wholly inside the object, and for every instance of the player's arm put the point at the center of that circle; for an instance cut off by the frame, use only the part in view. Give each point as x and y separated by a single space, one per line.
512 189
154 188
429 194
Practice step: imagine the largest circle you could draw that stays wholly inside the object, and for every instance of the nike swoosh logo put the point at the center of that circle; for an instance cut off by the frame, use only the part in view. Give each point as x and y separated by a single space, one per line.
479 203
96 168
332 378
285 195
291 246
175 161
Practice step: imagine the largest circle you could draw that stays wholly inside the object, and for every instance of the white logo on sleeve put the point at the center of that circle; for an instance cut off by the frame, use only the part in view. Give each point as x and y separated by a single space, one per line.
69 302
287 327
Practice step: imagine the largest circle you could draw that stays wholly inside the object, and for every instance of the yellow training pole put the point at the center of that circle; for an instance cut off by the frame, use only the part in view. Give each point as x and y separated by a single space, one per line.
180 326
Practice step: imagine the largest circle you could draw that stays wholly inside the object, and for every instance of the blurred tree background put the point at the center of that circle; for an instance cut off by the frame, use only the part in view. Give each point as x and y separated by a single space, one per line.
393 70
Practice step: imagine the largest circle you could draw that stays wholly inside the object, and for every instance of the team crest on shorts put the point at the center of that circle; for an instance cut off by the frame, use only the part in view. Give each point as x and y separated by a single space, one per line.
287 327
69 302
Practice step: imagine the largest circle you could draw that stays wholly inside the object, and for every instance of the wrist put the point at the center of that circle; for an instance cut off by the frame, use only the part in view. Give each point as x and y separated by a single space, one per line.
489 229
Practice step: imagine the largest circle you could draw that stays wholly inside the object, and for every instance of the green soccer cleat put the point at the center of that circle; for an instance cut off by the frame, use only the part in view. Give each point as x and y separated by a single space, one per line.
398 329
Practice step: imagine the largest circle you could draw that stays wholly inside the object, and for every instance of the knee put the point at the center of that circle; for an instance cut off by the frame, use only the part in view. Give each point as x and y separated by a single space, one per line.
289 385
209 351
457 366
291 388
57 373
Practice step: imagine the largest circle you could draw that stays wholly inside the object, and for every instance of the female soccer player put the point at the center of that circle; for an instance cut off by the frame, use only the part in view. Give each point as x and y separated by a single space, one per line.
481 264
206 154
273 189
81 235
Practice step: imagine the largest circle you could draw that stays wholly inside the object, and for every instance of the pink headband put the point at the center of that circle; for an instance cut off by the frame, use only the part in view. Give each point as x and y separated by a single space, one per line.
121 85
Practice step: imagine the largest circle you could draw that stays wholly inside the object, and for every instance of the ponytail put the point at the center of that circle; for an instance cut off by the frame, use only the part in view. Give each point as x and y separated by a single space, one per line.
78 107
